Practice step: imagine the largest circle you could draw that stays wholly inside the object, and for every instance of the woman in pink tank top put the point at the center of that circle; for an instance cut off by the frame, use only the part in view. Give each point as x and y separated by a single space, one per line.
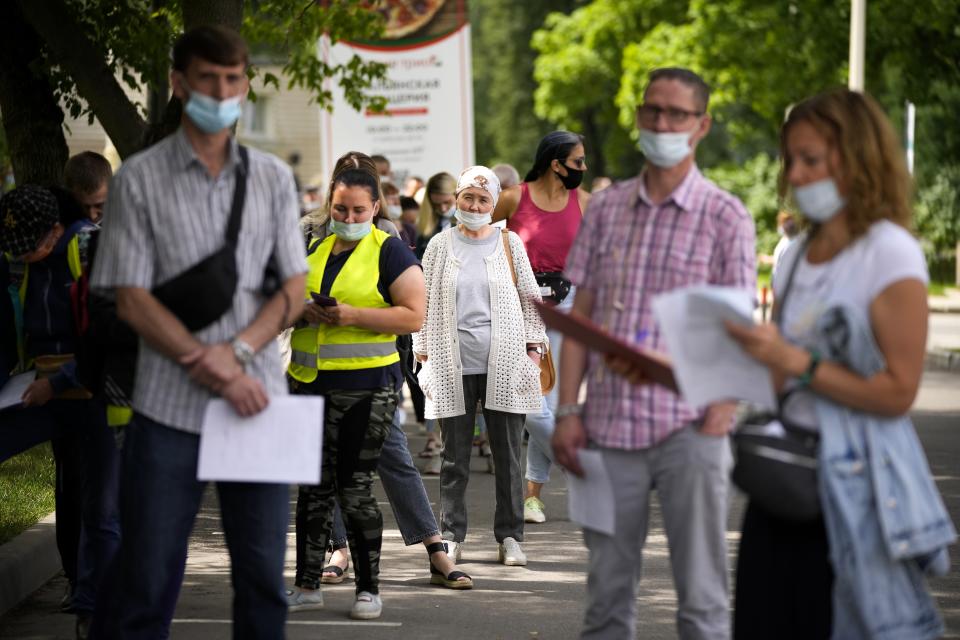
545 211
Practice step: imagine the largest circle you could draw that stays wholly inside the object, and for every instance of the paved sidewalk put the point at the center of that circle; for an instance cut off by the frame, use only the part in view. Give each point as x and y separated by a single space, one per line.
542 600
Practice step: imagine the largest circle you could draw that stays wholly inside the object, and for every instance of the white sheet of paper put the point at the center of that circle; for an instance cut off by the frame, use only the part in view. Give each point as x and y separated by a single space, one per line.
12 391
708 364
280 444
590 498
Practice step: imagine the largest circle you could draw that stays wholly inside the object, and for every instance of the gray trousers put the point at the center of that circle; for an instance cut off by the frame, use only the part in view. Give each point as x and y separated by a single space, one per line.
690 472
503 433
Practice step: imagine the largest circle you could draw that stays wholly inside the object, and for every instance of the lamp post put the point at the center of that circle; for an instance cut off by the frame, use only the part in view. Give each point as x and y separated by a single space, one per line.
858 28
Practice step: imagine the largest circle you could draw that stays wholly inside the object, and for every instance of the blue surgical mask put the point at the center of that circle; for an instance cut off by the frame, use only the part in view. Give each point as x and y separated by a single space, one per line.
350 231
394 211
473 221
665 150
819 201
212 115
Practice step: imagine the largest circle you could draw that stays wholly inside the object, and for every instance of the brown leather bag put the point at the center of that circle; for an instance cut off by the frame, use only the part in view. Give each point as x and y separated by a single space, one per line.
47 366
548 371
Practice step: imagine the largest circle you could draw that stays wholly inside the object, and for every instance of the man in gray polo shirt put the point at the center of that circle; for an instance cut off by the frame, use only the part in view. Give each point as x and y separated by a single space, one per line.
167 210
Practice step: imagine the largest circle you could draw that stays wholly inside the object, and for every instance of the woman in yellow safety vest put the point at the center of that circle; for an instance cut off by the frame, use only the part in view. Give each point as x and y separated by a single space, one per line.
364 287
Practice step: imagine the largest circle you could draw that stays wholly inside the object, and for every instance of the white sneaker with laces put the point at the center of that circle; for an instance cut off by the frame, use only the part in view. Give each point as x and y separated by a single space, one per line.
511 554
533 510
300 600
368 606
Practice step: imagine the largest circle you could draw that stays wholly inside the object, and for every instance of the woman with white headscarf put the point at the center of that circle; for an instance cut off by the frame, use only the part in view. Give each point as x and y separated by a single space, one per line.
481 341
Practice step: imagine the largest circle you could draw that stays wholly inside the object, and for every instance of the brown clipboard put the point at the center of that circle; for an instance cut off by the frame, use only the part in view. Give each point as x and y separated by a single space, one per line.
579 328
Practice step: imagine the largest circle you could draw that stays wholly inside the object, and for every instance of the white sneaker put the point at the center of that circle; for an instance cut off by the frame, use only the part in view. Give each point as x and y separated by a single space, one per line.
368 606
300 600
511 554
454 550
533 510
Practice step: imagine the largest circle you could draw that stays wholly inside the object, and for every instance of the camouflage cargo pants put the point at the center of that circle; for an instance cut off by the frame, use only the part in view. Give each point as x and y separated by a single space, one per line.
356 423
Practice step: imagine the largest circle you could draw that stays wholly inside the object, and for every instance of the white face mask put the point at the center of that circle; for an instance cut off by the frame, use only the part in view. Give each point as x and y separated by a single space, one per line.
394 211
665 150
350 231
448 212
474 221
819 201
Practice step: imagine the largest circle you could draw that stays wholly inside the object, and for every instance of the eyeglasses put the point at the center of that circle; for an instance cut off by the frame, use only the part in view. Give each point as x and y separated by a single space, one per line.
579 163
650 114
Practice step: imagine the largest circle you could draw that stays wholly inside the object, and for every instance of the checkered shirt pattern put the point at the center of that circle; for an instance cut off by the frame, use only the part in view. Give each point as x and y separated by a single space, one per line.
627 251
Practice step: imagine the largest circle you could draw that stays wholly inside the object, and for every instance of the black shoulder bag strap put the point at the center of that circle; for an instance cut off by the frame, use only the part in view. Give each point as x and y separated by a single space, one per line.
239 198
781 303
777 314
203 293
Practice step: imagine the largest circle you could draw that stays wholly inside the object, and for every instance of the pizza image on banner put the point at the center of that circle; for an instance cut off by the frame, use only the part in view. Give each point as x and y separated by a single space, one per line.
404 17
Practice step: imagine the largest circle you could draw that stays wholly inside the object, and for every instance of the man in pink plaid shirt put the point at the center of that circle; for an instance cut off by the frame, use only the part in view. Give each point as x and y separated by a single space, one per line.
667 228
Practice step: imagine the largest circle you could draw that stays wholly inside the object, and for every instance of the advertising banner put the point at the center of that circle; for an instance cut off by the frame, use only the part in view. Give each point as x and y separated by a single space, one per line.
428 123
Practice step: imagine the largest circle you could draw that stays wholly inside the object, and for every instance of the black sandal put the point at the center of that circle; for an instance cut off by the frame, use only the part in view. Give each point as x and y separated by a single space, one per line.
339 573
453 579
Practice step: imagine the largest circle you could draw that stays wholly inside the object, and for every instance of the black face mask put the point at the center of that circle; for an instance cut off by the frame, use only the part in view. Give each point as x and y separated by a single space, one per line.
573 178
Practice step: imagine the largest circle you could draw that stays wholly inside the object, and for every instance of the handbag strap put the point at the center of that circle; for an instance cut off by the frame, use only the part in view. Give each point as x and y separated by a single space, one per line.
239 197
777 314
506 247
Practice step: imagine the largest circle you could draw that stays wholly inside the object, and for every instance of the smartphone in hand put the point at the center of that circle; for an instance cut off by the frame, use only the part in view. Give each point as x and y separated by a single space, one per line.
322 300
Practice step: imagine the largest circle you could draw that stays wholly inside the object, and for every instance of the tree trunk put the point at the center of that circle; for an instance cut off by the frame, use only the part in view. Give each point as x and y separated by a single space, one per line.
32 117
228 13
85 61
594 144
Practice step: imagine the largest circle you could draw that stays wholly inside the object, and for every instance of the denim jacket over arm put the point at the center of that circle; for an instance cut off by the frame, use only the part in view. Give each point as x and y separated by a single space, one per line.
885 520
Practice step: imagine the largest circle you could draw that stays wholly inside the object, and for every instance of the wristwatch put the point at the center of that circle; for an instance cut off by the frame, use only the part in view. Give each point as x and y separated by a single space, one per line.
242 351
538 349
565 410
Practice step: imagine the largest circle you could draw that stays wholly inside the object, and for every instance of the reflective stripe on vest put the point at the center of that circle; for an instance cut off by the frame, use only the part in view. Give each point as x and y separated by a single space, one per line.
118 416
336 348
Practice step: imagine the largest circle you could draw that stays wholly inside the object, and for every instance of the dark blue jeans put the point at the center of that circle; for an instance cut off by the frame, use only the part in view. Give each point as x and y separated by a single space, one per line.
87 461
99 513
159 500
404 488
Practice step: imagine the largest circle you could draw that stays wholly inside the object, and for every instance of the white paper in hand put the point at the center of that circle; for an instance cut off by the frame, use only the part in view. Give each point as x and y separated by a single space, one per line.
280 444
12 392
709 365
590 498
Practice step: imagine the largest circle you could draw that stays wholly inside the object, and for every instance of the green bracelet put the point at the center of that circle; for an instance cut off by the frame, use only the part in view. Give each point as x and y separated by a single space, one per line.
807 376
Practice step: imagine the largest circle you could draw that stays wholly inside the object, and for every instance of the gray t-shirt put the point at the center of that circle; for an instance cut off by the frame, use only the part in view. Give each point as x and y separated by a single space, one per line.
473 300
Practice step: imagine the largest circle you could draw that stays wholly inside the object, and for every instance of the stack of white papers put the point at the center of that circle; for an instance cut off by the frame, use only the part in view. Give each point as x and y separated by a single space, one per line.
280 444
12 391
708 364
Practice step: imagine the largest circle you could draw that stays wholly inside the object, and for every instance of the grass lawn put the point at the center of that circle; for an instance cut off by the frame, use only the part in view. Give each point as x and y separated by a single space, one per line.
26 490
939 288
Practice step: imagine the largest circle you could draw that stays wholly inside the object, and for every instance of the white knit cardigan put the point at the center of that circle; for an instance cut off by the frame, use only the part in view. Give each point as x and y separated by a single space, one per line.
513 380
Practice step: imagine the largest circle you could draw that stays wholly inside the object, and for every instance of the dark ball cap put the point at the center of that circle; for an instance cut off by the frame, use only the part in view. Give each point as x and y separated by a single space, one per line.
26 215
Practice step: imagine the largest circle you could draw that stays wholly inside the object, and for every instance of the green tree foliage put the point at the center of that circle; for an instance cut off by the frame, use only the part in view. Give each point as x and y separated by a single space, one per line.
755 183
938 223
760 56
507 129
579 70
95 51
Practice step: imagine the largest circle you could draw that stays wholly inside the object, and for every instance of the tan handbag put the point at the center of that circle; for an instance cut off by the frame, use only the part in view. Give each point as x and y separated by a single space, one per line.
47 366
548 371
